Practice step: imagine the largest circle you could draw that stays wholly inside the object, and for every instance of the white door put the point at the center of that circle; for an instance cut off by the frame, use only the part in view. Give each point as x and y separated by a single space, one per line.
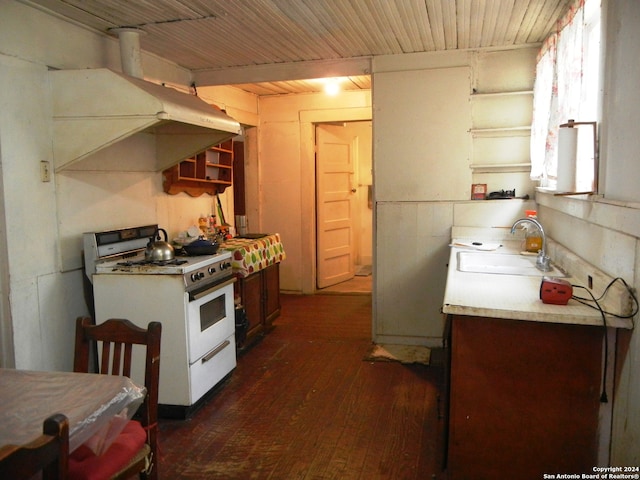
335 191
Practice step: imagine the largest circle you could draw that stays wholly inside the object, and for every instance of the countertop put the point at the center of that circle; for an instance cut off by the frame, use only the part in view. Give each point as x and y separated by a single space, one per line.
249 255
512 296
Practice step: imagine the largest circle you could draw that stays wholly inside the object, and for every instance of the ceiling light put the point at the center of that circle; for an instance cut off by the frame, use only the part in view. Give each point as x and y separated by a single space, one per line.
332 87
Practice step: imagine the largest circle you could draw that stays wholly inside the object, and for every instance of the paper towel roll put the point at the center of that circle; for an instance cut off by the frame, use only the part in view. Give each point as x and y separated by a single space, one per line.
567 148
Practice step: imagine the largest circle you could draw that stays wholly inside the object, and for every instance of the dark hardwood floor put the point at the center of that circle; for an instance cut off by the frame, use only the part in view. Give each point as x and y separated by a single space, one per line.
304 404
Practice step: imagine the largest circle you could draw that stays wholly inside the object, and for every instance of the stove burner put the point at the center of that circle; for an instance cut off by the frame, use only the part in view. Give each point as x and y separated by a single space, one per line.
158 263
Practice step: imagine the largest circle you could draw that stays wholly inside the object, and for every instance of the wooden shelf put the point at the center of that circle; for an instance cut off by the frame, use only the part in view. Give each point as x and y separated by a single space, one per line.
209 171
500 138
501 132
500 94
500 167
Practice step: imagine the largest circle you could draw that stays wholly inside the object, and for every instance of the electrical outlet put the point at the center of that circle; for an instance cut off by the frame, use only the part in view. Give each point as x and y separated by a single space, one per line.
45 171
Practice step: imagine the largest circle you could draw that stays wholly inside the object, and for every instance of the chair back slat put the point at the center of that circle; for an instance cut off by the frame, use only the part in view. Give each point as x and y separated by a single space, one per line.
105 357
117 356
126 366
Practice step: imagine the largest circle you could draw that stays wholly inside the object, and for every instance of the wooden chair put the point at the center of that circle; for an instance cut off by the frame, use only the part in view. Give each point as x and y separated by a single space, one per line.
47 454
115 339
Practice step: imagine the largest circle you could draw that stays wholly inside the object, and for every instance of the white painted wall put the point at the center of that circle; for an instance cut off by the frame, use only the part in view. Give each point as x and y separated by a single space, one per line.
421 124
287 173
619 178
364 181
30 214
423 176
42 288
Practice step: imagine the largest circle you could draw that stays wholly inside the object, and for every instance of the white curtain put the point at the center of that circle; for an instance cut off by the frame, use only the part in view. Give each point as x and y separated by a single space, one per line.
557 91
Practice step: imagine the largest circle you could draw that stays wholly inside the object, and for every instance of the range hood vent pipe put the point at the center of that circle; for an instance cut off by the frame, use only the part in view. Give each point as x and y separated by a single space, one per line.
130 56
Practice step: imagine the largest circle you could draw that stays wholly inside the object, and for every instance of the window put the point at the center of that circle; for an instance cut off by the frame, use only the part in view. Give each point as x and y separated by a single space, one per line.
567 87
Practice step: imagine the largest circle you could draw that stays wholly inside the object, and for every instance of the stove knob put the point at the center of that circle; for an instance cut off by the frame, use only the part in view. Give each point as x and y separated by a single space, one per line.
212 270
197 276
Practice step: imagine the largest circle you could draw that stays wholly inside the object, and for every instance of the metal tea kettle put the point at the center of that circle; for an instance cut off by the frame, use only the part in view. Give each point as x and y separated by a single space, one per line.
158 250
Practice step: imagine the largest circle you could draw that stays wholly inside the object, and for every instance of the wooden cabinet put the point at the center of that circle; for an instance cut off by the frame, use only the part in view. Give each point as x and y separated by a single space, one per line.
524 398
260 295
271 276
210 171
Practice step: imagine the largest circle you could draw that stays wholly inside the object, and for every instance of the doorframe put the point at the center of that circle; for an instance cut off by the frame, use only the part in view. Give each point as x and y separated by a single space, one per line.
308 120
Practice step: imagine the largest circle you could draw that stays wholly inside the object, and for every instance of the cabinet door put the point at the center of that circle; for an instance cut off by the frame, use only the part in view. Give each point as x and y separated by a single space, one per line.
272 293
251 287
524 398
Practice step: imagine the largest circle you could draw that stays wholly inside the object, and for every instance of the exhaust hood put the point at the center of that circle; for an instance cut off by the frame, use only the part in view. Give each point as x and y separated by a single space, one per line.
97 109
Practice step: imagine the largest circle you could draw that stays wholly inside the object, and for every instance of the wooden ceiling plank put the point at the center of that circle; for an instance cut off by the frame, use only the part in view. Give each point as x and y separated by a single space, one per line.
533 10
359 37
463 19
284 71
288 26
546 22
320 23
450 25
372 35
413 15
264 39
397 25
478 9
434 11
342 28
421 15
504 15
489 24
515 21
386 41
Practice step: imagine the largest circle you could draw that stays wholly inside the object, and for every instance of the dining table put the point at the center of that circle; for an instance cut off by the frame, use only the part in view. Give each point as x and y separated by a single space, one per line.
97 406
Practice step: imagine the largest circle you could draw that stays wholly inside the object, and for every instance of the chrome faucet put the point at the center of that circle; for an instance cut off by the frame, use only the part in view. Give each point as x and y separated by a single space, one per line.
543 262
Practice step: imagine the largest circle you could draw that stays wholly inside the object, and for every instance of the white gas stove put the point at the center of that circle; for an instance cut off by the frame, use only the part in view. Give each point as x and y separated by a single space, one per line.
196 271
191 296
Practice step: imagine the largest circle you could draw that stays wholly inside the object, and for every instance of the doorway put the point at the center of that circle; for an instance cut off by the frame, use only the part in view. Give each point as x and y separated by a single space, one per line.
344 208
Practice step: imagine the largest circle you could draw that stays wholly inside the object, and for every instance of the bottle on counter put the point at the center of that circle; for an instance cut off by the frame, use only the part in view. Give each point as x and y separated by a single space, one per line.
533 235
203 224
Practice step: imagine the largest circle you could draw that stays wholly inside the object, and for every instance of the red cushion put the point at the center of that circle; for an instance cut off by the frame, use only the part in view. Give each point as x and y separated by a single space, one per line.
86 465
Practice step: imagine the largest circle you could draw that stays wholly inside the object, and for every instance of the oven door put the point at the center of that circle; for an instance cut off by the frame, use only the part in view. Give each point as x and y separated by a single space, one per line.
210 318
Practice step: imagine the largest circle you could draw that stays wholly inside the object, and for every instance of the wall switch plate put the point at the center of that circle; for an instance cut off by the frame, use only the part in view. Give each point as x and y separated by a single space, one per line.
45 171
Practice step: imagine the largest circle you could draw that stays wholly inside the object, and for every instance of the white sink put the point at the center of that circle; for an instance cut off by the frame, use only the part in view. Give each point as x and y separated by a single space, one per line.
504 264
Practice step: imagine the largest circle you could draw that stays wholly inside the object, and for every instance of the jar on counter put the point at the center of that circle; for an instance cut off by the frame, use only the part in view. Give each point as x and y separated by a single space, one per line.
533 235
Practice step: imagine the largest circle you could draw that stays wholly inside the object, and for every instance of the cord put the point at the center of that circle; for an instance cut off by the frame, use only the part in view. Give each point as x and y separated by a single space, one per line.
603 395
603 313
584 300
